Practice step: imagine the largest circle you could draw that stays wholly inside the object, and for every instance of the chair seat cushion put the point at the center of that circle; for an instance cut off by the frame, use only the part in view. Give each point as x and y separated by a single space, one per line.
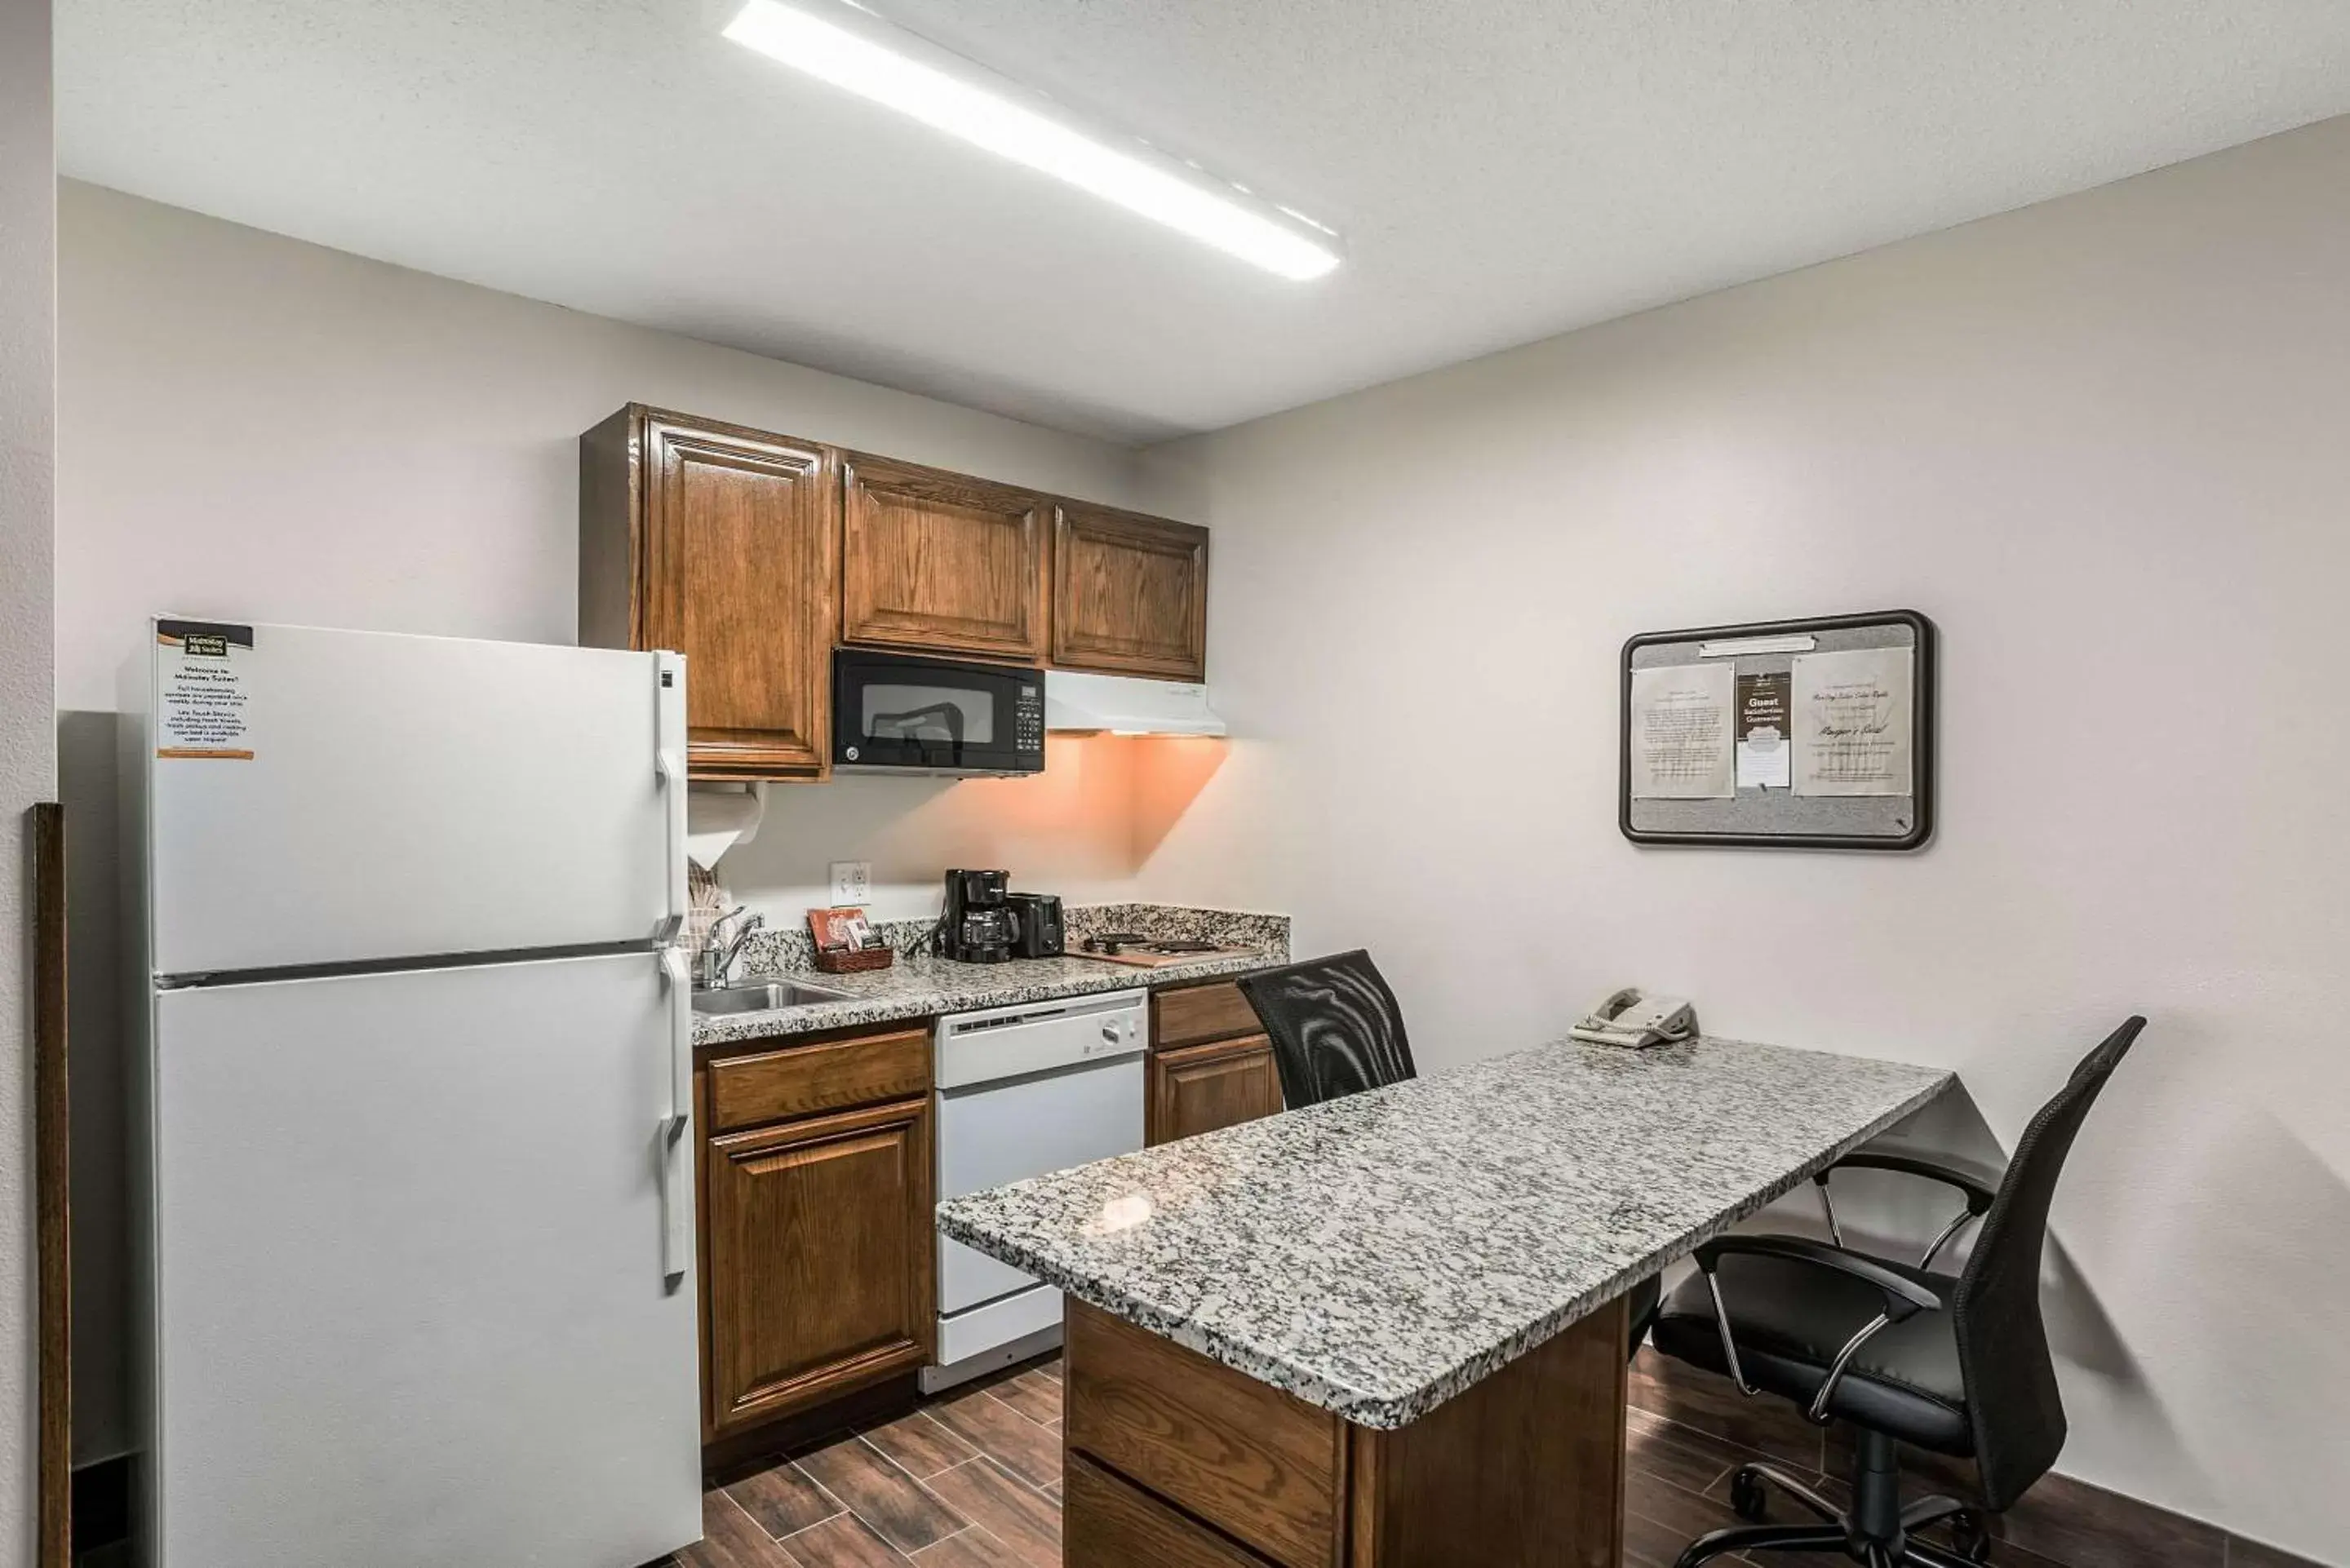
1790 1319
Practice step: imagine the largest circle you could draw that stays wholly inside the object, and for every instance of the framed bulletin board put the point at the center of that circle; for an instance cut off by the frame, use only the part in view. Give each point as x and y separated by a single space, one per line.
1798 734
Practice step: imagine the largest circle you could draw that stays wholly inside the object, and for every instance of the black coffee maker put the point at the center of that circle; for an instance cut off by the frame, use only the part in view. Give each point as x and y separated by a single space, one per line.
978 926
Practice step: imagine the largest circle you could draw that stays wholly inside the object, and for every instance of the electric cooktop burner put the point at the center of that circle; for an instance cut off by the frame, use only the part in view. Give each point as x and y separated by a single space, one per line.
1134 948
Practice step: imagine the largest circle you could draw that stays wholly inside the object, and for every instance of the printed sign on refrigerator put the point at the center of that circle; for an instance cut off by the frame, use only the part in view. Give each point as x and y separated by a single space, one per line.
203 697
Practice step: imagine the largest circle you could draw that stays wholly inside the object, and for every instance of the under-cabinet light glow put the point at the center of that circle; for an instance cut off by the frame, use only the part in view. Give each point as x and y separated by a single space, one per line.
871 69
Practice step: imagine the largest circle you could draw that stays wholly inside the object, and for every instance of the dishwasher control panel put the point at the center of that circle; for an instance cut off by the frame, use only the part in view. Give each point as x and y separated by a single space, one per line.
1025 1038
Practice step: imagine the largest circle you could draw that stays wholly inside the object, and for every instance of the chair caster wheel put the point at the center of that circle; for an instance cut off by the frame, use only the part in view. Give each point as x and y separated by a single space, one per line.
1968 1537
1747 1499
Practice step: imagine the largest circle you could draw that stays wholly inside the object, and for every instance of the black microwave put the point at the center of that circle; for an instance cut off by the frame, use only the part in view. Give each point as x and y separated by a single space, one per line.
896 712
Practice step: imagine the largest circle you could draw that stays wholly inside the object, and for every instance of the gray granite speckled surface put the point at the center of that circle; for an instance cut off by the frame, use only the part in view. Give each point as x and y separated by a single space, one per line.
1378 1255
1238 926
788 950
920 984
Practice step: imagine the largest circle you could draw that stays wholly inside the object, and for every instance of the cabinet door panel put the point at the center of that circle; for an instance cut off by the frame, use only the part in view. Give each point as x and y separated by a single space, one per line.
1201 1088
819 1258
741 545
1130 594
934 560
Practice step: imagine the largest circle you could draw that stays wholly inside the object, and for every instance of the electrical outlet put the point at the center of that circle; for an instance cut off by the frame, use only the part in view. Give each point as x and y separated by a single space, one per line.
852 881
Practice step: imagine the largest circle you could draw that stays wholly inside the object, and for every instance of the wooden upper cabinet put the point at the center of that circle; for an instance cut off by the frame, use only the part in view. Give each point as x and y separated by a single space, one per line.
754 553
938 561
722 543
1129 594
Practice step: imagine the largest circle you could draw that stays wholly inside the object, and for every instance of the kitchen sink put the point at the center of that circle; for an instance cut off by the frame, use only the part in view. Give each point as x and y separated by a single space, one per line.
761 998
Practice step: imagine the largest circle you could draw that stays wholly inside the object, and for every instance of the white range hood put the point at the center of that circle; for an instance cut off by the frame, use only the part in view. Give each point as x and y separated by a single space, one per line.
1128 705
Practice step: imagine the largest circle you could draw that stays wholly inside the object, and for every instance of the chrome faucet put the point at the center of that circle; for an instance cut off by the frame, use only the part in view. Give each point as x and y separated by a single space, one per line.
714 964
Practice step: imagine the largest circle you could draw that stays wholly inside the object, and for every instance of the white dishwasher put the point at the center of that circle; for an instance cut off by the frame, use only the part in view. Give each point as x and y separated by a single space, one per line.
1024 1090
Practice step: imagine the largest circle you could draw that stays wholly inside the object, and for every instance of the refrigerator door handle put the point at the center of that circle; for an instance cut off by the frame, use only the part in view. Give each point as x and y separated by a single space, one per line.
674 1131
668 763
677 1207
680 992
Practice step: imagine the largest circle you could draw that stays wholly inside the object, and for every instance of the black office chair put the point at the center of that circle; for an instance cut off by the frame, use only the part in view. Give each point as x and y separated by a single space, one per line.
1958 1365
1337 1031
1335 1024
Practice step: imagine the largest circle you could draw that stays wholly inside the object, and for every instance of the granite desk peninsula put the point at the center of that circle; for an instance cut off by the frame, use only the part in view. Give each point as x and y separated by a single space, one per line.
1389 1331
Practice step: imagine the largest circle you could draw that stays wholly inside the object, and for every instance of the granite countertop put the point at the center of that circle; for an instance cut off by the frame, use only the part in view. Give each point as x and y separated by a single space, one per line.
1378 1255
920 984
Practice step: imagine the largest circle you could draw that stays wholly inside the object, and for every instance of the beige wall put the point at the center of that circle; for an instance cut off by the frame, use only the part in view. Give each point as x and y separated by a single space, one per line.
260 430
2102 443
27 692
256 426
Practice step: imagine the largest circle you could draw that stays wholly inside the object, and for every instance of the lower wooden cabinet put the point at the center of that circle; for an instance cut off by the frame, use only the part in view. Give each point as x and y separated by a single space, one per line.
818 1259
1263 1467
1177 1461
1199 1088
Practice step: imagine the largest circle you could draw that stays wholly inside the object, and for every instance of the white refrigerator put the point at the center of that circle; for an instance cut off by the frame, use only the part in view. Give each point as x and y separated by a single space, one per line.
415 1078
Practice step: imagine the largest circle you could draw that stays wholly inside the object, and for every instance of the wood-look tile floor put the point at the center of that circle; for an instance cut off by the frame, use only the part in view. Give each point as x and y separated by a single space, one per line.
972 1480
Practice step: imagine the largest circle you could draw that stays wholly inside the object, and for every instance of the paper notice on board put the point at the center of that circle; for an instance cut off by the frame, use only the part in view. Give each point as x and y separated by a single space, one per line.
1681 738
1853 722
203 696
1762 735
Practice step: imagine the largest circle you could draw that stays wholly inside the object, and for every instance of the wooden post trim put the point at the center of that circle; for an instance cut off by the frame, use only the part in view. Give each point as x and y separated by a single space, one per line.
53 1175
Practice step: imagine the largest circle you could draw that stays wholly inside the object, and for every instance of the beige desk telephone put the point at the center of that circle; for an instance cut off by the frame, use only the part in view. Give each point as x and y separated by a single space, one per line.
1636 1020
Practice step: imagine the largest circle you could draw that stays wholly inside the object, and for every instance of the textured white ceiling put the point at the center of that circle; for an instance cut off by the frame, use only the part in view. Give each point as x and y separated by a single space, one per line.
1501 170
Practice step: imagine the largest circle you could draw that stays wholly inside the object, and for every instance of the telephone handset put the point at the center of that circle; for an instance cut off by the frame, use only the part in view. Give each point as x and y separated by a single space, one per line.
1635 1021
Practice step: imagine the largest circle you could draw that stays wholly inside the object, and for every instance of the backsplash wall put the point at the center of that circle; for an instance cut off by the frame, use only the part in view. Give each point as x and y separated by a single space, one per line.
1069 830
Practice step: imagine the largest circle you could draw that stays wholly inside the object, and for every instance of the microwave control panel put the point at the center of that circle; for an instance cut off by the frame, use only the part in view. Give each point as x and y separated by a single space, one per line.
1028 717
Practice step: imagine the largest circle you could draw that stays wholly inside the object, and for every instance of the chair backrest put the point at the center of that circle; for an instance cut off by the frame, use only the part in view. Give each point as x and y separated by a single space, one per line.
2010 1377
1335 1027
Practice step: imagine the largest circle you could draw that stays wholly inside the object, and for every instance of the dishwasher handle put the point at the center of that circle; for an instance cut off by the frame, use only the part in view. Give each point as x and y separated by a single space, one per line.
1119 1032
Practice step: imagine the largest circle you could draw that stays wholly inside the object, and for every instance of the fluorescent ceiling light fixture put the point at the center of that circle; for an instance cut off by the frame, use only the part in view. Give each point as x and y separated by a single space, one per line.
886 64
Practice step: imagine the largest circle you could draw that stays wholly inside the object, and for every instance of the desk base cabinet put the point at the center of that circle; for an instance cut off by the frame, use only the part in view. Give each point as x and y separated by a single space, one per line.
1174 1459
1200 1088
1211 1063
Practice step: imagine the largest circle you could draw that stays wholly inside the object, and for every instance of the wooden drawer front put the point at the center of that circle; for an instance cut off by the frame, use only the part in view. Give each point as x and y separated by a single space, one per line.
1110 1524
1258 1464
1195 1013
831 1076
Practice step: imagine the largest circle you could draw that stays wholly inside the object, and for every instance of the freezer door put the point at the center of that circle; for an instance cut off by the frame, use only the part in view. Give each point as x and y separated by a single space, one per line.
411 1299
390 798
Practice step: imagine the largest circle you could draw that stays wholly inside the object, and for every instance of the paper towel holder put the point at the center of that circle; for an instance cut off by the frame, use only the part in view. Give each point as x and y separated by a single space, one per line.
719 817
